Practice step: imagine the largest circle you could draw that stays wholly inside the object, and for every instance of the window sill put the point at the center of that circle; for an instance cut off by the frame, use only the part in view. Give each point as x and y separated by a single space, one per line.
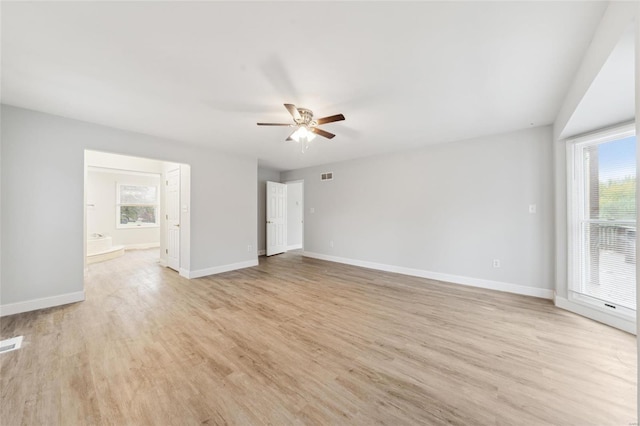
590 310
136 226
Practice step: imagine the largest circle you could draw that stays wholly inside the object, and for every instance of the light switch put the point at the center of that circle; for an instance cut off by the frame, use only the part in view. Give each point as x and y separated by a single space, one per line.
312 210
532 208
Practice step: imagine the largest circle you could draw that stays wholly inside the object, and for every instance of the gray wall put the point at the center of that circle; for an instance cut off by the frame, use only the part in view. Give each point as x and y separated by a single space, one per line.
294 214
447 208
264 175
42 198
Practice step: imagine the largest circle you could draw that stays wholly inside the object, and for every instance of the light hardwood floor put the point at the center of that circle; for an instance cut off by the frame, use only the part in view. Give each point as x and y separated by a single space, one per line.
303 341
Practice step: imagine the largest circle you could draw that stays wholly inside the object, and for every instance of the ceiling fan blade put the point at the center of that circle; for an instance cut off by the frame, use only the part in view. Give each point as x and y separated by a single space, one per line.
274 124
293 111
330 119
290 138
322 132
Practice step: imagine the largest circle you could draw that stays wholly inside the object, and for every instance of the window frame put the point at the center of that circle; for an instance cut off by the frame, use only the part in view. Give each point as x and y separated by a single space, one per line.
135 225
575 205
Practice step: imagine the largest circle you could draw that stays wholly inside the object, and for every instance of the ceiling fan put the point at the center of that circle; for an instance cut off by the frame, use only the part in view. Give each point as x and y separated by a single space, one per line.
305 125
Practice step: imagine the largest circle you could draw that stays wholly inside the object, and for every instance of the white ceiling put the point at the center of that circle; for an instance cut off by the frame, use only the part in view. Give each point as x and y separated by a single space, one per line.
403 74
611 96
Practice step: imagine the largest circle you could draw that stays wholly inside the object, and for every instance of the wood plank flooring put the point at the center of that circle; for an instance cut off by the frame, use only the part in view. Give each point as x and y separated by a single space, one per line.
303 341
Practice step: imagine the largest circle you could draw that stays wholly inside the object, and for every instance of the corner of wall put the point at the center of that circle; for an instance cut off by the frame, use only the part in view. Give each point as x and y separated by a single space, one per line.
617 17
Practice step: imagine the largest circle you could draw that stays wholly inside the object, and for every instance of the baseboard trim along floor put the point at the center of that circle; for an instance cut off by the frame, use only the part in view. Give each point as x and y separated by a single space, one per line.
41 303
455 279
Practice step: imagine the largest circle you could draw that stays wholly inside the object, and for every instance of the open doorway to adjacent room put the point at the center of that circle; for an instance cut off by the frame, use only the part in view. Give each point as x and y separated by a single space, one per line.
280 216
135 204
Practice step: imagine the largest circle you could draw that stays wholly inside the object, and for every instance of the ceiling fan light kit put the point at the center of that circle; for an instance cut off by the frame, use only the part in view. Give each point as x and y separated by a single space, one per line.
303 134
306 129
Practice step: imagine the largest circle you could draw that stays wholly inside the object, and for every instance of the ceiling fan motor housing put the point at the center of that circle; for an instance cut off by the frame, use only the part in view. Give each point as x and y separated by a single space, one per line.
306 117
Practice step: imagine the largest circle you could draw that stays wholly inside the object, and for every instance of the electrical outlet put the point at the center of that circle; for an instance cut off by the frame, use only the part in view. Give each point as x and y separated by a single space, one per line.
249 247
496 263
331 243
312 210
533 208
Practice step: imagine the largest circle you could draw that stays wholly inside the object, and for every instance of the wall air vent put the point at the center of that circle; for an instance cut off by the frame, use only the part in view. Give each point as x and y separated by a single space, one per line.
326 176
9 345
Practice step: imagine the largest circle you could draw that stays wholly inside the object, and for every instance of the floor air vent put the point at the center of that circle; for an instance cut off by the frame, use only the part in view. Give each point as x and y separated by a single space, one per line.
9 345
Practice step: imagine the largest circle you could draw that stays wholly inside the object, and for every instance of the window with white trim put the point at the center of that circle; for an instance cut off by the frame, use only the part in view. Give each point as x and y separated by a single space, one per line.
602 220
137 206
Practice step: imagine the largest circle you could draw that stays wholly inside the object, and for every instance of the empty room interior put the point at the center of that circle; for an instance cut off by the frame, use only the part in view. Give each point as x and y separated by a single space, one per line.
319 212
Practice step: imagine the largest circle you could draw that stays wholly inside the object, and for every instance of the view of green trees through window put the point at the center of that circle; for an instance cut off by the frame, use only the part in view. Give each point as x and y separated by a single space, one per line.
141 214
618 199
617 180
137 205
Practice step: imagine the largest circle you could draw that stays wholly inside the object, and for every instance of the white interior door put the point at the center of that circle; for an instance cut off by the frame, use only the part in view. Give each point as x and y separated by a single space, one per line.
173 219
276 218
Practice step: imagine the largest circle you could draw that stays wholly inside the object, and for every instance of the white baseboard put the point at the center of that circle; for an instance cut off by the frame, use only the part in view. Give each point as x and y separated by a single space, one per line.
455 279
141 246
218 269
262 252
625 324
42 303
294 247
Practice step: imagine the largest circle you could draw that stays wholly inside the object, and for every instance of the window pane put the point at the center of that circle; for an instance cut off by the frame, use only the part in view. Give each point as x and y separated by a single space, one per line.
617 179
135 194
137 214
607 222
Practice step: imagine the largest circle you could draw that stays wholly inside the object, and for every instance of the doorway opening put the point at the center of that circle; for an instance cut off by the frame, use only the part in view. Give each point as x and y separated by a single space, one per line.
284 217
135 203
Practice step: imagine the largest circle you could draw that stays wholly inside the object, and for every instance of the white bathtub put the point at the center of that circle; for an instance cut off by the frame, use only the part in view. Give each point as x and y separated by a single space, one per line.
100 247
98 243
